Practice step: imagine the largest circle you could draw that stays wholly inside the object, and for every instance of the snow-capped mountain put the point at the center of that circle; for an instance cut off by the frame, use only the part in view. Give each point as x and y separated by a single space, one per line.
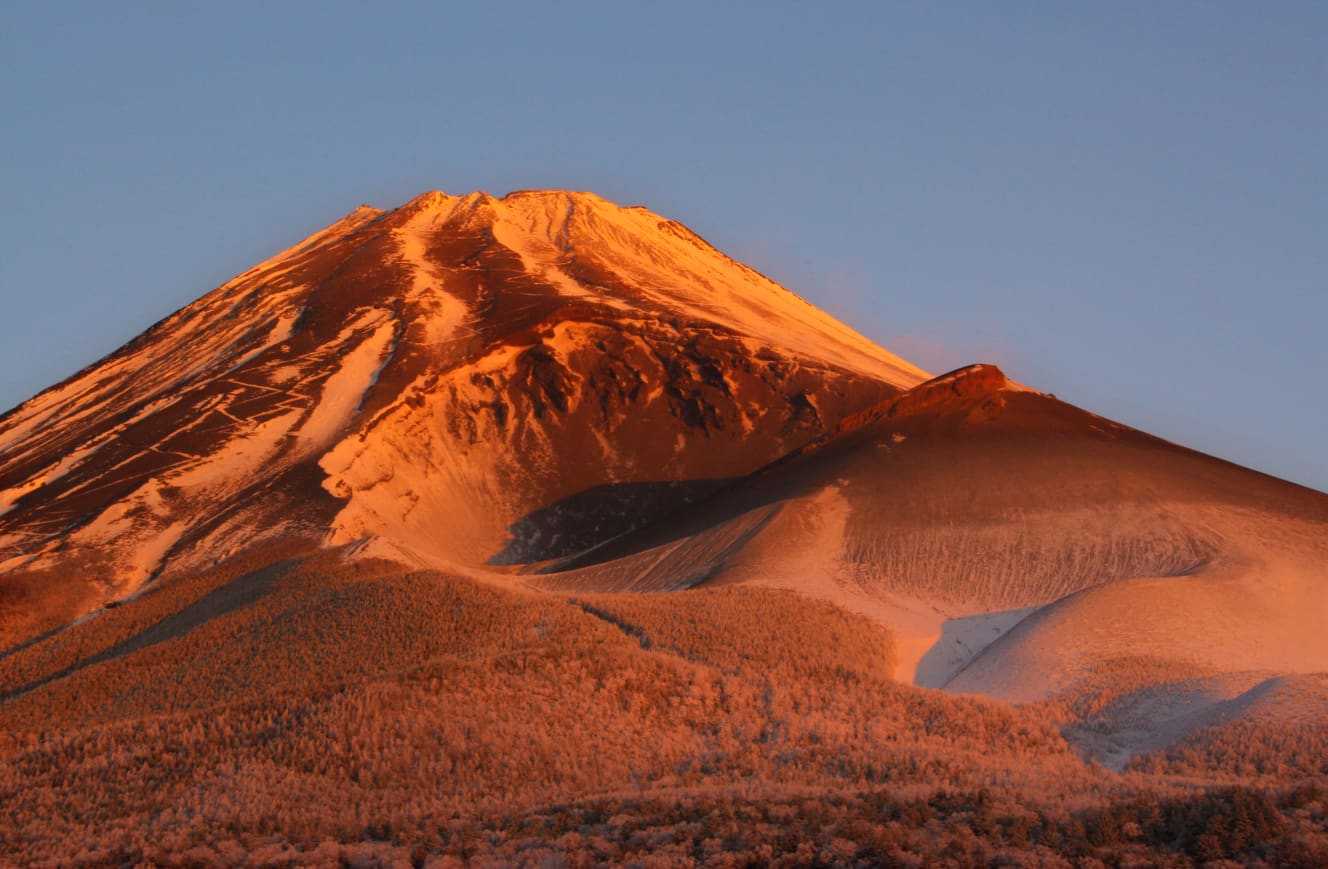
429 376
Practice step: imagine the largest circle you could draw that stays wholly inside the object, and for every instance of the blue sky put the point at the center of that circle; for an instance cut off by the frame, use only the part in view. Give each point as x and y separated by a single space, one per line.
1123 204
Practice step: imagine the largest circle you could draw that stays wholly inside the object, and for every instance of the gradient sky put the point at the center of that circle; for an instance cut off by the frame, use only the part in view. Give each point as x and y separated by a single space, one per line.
1123 204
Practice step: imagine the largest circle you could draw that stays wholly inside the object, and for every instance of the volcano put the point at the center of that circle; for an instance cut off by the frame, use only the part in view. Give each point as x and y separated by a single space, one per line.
571 450
426 377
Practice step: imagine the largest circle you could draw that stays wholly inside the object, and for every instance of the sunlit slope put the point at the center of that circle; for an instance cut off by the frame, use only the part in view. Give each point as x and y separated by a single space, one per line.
431 375
289 698
303 693
958 510
286 619
1254 616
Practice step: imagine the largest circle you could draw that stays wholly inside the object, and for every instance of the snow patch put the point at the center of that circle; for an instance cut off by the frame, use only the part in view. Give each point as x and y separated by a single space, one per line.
539 237
682 274
446 314
235 464
960 641
285 374
345 389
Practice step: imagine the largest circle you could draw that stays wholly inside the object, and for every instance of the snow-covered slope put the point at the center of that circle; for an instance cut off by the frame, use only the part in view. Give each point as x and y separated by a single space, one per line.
432 375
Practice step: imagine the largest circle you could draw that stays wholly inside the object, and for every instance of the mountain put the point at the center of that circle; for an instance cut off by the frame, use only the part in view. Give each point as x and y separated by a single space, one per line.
428 376
537 529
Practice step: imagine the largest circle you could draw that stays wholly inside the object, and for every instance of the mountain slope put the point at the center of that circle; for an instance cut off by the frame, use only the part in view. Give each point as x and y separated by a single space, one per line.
1014 543
296 699
429 375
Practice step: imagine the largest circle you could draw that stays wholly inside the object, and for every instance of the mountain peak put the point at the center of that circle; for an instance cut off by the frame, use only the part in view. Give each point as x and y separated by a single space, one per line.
382 377
426 200
432 201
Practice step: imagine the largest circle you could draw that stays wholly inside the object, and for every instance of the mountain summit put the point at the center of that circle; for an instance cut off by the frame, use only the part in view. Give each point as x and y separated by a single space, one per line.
429 375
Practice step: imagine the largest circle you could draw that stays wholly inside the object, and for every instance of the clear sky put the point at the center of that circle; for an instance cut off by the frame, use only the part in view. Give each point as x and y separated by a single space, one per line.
1123 204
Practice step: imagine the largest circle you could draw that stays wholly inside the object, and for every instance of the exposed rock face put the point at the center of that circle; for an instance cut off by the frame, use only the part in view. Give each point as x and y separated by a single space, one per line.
958 388
434 374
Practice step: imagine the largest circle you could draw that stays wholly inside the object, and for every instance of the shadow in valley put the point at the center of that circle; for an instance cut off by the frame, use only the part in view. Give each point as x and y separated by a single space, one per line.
590 518
962 641
630 518
29 643
641 516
